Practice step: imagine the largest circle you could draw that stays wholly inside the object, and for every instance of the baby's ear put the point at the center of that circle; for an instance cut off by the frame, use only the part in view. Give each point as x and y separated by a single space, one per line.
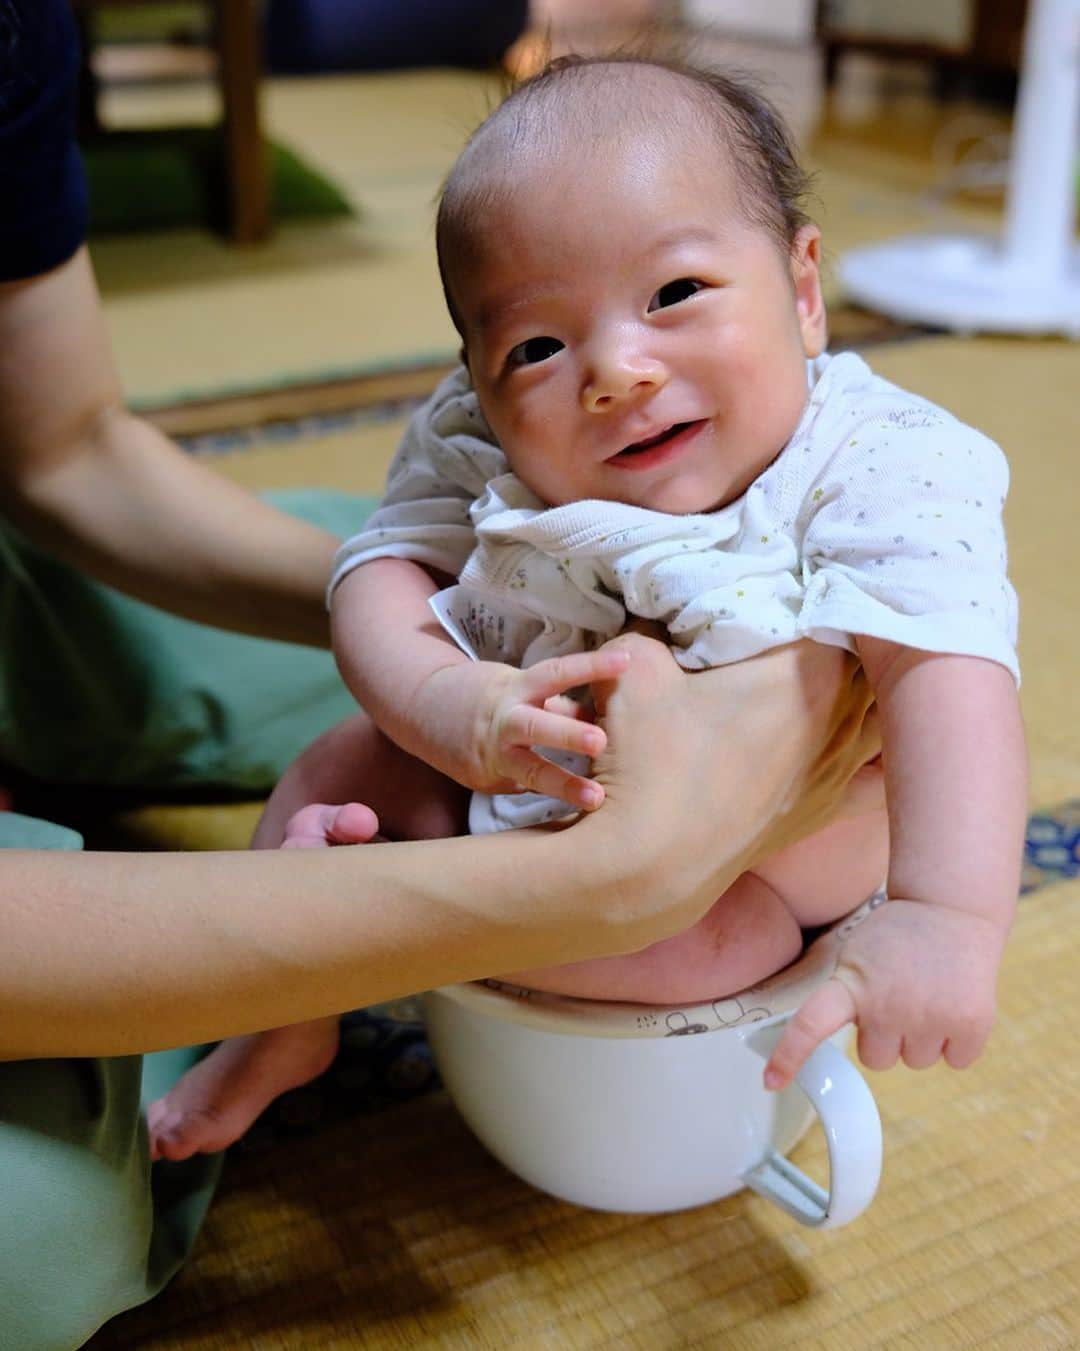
806 279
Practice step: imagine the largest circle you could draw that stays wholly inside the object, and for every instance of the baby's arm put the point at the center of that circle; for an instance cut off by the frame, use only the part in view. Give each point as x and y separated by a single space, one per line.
474 721
919 975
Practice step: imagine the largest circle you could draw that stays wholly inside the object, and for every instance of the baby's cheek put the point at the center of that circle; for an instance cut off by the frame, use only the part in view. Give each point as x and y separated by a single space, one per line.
536 453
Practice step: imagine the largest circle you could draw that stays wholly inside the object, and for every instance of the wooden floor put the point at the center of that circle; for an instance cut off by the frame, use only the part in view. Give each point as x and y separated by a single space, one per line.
396 1229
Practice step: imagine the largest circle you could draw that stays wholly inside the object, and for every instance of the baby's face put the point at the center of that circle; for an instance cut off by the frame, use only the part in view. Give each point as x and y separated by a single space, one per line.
630 337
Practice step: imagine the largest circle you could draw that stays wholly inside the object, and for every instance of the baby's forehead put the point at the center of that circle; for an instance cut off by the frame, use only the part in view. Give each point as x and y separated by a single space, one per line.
570 138
574 117
516 179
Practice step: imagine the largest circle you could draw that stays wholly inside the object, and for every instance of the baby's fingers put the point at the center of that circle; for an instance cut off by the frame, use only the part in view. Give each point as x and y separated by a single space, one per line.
825 1012
539 775
559 674
965 1047
528 726
565 707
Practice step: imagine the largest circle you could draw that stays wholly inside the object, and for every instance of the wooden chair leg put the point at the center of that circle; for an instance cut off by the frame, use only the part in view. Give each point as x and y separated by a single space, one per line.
248 174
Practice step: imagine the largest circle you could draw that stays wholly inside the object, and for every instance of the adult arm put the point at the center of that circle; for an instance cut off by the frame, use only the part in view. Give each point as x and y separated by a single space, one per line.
160 950
108 493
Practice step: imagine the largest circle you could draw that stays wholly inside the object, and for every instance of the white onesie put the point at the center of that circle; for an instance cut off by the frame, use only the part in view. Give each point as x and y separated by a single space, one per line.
881 517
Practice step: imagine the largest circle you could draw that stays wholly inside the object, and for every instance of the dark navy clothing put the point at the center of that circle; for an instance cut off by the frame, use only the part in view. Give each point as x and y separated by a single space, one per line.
43 206
310 36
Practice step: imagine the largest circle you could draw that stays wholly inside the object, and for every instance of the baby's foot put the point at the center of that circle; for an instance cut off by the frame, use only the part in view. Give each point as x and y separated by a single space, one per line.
217 1100
321 825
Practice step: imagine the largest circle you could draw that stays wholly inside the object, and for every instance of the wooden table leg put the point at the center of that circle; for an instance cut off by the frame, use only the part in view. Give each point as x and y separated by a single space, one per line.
248 174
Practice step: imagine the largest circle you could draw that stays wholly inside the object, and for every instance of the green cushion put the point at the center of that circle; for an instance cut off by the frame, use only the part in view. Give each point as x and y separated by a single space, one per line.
175 176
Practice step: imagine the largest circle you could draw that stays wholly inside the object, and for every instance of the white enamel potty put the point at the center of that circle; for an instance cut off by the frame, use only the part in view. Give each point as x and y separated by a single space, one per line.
632 1108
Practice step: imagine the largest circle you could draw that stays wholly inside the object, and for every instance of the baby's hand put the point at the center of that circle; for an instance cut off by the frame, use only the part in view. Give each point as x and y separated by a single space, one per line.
918 979
496 714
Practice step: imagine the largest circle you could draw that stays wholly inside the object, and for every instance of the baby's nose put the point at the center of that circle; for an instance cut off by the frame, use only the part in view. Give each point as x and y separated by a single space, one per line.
618 376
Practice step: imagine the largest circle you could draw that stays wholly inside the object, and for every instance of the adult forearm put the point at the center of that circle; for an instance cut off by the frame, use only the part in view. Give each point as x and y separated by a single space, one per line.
108 493
132 510
114 954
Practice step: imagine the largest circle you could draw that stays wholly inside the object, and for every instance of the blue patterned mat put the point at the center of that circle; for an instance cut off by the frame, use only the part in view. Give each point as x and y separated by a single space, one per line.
1052 847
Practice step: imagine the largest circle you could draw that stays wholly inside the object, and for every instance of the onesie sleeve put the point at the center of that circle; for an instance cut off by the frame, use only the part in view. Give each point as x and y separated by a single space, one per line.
902 537
446 458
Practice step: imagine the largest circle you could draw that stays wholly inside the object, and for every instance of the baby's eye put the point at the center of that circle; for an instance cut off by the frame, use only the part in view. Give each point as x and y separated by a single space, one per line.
533 350
674 292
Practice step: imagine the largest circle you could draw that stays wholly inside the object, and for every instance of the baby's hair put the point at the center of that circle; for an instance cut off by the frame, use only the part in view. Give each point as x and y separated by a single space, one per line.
748 128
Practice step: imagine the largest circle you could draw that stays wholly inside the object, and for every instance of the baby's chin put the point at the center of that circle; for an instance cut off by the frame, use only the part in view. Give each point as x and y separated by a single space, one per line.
684 500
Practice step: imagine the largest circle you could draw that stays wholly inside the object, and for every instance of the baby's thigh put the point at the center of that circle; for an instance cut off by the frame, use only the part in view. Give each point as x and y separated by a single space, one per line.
828 874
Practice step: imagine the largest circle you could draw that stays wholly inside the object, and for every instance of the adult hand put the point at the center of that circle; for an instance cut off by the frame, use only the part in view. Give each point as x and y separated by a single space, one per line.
707 772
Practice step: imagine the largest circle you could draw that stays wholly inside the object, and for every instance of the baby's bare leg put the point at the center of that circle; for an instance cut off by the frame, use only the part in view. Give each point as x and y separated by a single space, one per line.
752 931
748 934
825 876
217 1100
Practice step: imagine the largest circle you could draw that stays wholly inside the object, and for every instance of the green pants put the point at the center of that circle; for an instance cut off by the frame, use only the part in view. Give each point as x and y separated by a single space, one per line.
87 1226
99 689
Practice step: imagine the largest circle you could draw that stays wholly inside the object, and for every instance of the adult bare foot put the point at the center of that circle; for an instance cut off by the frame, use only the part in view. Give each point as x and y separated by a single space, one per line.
216 1101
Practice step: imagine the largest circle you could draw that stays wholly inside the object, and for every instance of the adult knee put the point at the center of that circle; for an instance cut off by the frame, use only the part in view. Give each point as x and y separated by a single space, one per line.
76 1220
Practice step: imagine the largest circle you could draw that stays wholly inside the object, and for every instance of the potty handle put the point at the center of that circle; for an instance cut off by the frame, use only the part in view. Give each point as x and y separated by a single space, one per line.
849 1116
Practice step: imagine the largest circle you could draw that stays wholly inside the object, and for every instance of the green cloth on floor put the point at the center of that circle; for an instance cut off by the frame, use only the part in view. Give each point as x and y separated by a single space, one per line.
153 23
88 1226
175 176
26 832
100 689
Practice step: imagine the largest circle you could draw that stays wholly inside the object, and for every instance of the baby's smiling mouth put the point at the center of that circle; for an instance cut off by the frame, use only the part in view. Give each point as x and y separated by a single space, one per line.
651 442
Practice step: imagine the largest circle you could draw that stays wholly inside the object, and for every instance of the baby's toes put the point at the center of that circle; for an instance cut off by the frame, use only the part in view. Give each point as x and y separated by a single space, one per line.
353 823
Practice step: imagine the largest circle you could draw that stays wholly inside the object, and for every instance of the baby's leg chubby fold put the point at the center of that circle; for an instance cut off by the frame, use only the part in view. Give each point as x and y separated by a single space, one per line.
753 930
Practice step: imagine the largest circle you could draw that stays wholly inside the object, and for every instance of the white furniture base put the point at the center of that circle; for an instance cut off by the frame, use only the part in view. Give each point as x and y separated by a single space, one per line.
1029 281
964 282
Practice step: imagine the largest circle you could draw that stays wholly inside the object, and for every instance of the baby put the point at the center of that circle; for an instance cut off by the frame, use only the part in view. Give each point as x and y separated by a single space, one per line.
647 425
